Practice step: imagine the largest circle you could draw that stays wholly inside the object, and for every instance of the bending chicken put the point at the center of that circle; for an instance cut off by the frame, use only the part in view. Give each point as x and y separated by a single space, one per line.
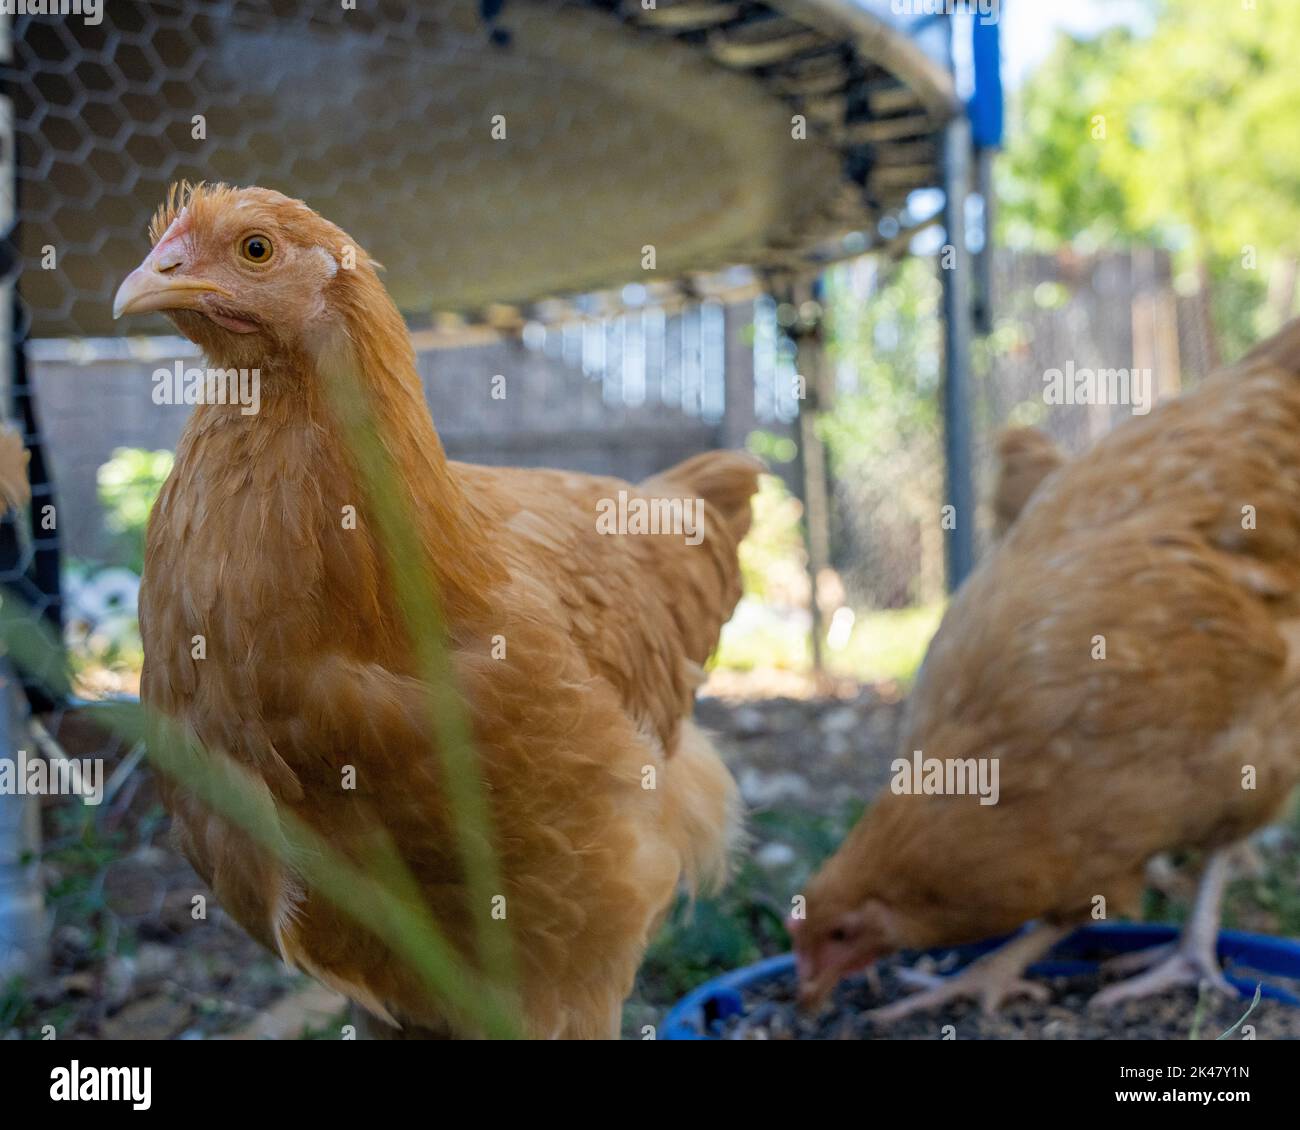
1129 657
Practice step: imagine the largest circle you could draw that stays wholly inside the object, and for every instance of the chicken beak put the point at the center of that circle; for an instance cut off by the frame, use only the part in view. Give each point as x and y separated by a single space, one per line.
819 968
157 284
815 983
815 991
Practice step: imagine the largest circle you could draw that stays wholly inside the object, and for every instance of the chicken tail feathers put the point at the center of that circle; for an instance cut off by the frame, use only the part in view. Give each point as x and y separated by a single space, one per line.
703 811
1026 457
726 480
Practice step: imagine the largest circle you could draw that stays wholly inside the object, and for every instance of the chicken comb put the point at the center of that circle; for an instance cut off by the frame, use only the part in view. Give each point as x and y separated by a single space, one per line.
195 196
203 198
179 196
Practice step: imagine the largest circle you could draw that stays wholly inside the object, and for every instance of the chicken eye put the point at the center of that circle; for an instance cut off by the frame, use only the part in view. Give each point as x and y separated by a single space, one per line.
839 934
256 248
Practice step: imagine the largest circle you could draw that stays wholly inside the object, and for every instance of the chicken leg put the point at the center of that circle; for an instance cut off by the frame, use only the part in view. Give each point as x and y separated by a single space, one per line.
1194 959
991 979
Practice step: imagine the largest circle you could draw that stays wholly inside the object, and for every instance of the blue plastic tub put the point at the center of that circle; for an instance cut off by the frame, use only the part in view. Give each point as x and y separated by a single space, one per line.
696 1015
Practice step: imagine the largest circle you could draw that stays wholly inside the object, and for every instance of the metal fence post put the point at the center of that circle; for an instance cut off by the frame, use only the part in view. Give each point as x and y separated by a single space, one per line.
956 365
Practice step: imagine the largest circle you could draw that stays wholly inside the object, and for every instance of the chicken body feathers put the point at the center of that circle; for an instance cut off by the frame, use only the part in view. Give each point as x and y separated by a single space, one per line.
304 671
645 610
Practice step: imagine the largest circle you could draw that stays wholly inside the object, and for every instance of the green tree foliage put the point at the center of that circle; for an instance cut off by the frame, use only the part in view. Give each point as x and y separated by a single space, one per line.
1202 135
773 561
1180 137
1052 186
128 485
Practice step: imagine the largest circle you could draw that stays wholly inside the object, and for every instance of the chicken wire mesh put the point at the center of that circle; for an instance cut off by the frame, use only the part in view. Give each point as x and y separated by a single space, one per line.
558 142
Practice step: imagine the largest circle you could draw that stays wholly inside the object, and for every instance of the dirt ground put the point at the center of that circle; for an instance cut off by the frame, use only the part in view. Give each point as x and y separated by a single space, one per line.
814 754
140 950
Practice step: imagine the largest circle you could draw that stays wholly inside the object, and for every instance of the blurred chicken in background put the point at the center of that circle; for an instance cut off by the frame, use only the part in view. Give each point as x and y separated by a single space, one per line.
1128 659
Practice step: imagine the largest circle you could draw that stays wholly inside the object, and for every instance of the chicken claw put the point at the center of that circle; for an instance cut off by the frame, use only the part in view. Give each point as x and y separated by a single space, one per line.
991 989
1139 960
1180 969
1192 961
992 979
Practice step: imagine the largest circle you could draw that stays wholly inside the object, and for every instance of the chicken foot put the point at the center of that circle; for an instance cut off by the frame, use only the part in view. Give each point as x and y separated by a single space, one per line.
1193 959
991 979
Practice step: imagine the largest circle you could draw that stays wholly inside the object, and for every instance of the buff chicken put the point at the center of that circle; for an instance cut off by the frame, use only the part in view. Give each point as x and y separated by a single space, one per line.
574 651
1128 661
